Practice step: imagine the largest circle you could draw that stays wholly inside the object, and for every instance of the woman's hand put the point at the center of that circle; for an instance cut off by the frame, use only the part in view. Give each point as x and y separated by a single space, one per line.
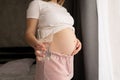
39 50
78 47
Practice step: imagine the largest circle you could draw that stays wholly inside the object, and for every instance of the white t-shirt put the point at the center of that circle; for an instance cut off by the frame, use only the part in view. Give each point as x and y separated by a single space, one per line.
52 17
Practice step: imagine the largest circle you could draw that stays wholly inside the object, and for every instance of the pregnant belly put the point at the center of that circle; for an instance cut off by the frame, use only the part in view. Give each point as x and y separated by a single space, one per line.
64 41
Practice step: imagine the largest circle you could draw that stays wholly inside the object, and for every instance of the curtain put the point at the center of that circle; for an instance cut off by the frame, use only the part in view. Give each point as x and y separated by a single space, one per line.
89 26
84 13
74 9
79 58
105 72
109 40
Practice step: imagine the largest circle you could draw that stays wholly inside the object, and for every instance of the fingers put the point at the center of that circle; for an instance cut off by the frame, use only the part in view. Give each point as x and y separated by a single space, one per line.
79 45
39 55
39 58
76 51
78 48
40 47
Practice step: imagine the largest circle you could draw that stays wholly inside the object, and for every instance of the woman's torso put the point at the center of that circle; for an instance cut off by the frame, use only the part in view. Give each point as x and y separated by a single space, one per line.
54 15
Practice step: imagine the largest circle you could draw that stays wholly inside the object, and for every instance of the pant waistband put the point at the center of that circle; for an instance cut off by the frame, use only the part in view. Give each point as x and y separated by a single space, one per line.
60 54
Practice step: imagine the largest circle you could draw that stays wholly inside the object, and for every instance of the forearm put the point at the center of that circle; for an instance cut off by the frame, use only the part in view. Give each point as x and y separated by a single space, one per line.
31 39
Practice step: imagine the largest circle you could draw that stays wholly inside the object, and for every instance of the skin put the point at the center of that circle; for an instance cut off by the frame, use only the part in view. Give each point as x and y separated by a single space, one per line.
36 44
54 1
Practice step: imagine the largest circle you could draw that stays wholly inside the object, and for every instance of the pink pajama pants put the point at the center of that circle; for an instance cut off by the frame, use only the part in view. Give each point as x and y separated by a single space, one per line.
59 67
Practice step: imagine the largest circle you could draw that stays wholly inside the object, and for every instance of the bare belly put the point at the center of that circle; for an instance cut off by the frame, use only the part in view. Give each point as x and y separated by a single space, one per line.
64 41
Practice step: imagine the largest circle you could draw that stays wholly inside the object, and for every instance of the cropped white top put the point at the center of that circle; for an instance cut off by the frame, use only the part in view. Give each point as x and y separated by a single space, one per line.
52 17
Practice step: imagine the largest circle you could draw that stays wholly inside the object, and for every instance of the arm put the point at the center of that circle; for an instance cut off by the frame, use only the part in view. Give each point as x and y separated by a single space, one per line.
30 32
32 16
31 39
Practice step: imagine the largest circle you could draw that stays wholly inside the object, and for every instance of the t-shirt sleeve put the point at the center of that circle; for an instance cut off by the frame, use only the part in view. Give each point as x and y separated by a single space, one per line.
33 10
